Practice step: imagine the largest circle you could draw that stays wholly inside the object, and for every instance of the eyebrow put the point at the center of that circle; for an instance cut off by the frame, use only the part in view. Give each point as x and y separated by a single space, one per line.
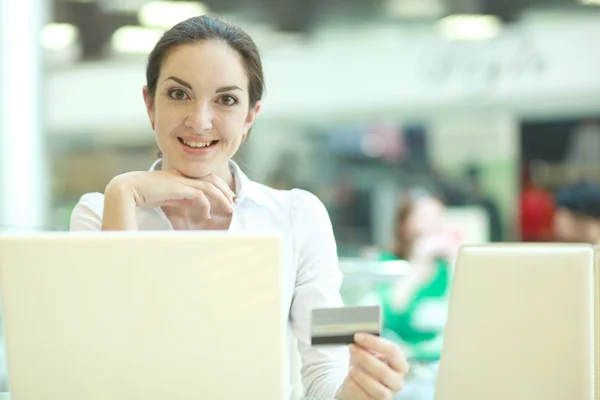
219 90
180 81
228 88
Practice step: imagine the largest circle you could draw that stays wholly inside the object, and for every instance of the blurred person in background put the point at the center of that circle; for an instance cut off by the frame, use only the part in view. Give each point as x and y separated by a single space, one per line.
204 88
577 215
415 307
536 209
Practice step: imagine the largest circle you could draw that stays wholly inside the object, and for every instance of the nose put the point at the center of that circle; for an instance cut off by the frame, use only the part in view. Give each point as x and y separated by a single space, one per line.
200 118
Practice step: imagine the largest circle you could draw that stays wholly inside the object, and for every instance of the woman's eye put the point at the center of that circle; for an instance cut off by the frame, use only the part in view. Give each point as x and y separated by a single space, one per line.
227 100
178 94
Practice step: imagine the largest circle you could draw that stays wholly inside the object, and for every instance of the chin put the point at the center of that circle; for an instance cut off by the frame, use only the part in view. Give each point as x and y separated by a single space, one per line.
196 170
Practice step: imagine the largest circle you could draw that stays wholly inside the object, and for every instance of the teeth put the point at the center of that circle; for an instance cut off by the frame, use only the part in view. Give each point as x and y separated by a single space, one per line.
196 144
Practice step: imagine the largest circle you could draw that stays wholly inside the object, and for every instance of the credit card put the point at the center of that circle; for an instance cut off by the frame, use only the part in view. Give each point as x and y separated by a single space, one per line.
337 326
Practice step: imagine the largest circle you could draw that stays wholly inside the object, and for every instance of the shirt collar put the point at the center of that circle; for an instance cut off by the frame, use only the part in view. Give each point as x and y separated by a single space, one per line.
244 187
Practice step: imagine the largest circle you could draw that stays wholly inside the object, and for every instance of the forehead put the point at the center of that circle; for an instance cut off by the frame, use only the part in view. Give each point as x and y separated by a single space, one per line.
206 64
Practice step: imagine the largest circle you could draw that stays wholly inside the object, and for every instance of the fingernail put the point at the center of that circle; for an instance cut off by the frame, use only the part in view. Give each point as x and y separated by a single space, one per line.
232 193
232 207
360 337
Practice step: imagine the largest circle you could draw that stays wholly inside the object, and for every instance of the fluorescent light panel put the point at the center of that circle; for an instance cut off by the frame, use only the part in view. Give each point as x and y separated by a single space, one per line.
415 8
470 27
135 39
59 36
165 14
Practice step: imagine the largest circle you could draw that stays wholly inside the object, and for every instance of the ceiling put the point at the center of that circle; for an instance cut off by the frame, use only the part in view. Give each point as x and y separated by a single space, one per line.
98 19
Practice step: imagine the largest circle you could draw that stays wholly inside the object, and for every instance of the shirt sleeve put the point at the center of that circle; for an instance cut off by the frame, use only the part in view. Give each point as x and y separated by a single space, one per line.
87 214
318 283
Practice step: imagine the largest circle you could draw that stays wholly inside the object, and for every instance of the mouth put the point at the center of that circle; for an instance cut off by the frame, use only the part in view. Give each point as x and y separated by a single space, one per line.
194 144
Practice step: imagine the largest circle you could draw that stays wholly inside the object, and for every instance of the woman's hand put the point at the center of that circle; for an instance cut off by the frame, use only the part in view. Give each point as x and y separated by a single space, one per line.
161 188
377 370
427 248
128 191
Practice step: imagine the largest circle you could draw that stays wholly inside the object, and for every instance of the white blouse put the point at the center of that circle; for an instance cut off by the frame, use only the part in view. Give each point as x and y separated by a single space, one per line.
313 277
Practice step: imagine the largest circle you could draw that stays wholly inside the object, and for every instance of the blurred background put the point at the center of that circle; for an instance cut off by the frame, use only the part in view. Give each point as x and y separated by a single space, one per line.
479 99
491 105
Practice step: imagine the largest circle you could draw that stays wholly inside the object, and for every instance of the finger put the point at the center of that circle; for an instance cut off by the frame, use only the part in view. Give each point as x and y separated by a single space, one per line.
215 182
222 185
186 200
217 195
388 349
203 202
369 385
380 357
376 368
191 196
180 203
352 387
211 185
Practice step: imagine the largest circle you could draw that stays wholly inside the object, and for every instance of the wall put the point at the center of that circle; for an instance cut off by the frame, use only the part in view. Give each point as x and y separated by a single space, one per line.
540 67
489 140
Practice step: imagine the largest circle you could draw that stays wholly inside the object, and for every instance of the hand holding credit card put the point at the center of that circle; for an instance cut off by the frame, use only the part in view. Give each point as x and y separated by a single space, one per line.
337 326
377 365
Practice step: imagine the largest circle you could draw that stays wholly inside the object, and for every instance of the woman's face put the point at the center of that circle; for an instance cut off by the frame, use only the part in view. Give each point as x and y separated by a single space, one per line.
570 227
200 111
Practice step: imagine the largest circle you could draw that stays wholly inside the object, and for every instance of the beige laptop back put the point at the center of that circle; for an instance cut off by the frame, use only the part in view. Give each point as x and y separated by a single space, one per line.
143 316
523 325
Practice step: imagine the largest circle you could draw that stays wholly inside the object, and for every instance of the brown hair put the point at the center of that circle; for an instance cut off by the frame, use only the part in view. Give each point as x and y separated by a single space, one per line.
402 244
209 28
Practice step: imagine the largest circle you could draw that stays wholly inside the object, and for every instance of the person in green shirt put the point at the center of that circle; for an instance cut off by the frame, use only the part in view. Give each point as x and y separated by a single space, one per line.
415 307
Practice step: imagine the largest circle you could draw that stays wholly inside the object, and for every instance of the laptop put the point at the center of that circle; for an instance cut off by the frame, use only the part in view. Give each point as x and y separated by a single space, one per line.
523 324
143 316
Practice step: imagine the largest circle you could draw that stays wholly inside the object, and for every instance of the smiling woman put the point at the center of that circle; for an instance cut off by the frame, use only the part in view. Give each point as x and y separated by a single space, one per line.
204 89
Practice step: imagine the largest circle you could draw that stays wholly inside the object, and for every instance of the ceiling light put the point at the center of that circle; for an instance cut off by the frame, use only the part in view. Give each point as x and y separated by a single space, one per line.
135 39
415 8
59 36
470 27
590 2
165 14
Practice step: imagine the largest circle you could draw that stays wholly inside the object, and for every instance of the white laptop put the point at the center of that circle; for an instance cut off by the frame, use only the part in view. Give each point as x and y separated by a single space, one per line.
523 324
143 316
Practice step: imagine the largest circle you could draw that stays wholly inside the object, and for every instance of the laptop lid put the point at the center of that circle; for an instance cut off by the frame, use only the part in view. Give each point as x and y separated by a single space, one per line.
143 316
522 324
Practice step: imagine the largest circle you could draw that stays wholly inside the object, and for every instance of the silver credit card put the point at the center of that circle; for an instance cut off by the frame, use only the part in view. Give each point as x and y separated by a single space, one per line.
337 326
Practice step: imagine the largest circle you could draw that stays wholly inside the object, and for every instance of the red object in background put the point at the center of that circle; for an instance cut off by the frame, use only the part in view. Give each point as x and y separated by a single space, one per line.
536 214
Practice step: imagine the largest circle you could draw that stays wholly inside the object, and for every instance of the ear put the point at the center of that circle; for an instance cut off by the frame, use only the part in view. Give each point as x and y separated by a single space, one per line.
250 118
149 100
